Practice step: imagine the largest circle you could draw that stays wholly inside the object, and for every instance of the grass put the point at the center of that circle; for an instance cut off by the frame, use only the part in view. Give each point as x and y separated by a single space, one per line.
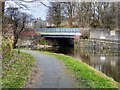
17 73
87 76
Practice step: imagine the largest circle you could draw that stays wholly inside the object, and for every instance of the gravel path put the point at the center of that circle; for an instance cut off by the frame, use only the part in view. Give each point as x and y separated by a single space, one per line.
52 73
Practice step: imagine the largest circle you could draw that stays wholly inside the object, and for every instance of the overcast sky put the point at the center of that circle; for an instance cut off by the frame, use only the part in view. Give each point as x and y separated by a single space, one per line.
36 9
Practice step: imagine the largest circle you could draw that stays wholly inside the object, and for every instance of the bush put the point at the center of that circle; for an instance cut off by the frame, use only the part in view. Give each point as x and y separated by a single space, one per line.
6 48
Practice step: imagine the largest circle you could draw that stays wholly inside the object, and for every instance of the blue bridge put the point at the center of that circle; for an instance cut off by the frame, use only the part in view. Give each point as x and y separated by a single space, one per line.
59 36
59 32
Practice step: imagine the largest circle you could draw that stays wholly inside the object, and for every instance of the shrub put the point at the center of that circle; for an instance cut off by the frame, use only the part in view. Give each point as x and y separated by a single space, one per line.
6 48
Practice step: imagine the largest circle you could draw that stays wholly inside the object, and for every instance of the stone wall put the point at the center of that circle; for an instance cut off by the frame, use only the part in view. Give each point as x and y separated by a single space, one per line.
97 45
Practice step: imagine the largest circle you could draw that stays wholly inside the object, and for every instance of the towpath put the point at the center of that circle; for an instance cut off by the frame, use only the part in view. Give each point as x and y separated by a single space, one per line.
52 72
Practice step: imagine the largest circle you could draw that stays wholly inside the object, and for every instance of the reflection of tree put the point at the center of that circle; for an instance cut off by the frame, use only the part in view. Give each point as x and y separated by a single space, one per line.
110 66
82 55
118 68
85 58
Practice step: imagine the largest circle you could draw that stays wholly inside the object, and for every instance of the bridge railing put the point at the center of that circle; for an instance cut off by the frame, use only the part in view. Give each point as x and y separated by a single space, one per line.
59 30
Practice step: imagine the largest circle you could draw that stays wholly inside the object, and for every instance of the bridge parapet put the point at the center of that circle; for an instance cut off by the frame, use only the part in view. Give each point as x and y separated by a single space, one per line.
59 30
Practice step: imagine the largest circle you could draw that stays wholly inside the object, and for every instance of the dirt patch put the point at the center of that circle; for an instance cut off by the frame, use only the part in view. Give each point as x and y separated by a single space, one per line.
33 78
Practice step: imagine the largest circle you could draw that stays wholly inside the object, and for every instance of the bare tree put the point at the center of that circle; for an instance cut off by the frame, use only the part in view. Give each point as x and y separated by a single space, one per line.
60 11
54 13
19 20
119 15
70 11
97 14
84 14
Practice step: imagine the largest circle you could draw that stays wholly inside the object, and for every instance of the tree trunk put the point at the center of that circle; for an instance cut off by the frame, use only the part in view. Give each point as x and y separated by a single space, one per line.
3 4
70 21
15 42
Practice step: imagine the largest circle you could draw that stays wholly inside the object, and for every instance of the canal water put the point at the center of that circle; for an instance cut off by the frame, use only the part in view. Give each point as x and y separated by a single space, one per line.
106 62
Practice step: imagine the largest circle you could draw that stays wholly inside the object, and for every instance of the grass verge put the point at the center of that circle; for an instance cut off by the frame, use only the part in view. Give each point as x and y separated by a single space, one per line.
16 74
87 76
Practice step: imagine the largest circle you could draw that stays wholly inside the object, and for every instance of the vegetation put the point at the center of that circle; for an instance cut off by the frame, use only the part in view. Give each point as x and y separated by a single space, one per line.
18 21
15 67
15 71
85 14
14 20
87 76
42 41
54 13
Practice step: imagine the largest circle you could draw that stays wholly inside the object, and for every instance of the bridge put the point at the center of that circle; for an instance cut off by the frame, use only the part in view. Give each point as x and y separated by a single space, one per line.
59 32
59 36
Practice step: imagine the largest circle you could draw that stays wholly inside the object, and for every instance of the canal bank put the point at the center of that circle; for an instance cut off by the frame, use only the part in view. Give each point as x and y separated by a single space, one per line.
54 76
52 72
87 76
106 61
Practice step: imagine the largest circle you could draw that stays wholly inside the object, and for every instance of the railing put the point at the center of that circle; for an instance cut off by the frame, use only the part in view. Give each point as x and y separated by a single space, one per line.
59 30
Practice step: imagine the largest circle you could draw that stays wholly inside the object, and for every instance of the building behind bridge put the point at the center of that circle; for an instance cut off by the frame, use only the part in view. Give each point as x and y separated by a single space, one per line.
105 34
27 37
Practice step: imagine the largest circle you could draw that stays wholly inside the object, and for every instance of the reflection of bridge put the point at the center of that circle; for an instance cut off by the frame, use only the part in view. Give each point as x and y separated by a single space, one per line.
59 32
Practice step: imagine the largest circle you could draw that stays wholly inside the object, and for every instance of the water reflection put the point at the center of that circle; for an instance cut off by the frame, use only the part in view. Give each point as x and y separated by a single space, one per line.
107 62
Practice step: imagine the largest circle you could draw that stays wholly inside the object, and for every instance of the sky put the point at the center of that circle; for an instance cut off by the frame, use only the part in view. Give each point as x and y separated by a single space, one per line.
36 9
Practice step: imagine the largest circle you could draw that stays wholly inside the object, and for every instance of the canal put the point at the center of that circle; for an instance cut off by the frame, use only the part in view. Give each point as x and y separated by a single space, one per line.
106 62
